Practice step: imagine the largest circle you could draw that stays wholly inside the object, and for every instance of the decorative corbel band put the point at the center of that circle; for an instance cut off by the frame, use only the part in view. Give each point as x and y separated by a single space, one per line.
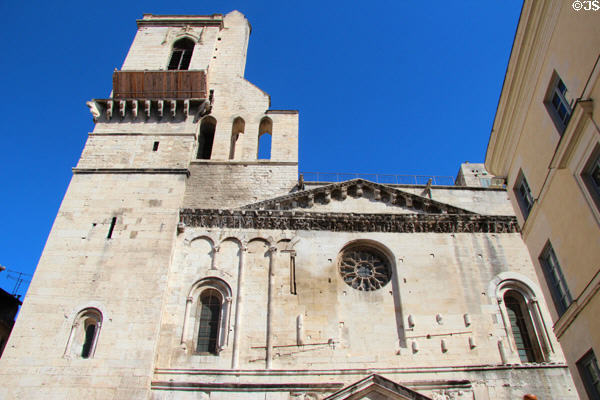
102 109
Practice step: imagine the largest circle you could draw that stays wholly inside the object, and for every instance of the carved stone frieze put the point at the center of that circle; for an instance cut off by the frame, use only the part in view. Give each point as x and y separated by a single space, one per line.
341 222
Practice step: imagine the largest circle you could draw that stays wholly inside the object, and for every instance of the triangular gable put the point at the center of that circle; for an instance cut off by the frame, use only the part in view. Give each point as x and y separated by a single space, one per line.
318 199
376 387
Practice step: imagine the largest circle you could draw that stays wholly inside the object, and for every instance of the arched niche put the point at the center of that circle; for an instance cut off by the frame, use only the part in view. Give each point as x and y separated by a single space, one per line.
265 135
237 128
206 138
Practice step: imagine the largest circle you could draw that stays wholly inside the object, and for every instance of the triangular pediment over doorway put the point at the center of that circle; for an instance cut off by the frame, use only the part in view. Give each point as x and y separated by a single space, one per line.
357 196
376 387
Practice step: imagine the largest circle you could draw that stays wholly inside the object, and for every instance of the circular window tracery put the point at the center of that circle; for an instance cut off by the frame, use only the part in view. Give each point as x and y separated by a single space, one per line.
364 268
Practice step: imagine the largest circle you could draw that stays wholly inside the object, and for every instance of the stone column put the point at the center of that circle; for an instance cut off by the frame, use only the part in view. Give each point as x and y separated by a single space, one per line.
272 251
186 318
235 359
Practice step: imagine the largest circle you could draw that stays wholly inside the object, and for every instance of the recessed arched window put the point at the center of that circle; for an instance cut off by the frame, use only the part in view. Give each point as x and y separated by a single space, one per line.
207 311
265 134
84 334
181 54
236 129
523 321
209 319
206 138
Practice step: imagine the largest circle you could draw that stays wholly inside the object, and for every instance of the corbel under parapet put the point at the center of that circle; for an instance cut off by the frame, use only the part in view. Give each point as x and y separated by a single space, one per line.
122 108
94 109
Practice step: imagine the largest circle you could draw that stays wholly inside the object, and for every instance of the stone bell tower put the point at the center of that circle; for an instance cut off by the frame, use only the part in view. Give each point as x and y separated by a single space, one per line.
181 128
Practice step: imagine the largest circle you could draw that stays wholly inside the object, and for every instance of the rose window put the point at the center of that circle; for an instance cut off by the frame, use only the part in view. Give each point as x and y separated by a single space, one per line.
364 269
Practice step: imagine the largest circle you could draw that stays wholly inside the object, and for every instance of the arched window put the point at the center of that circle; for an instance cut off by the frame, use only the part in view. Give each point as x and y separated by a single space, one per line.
523 321
206 323
209 309
181 54
84 334
520 326
265 134
206 138
236 129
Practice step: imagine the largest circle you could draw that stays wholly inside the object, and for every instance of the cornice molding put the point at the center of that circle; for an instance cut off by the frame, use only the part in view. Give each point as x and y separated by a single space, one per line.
577 306
175 171
582 113
181 20
243 162
360 371
245 387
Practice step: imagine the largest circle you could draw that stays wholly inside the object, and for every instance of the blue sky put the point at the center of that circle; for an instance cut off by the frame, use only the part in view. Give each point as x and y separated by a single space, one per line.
390 87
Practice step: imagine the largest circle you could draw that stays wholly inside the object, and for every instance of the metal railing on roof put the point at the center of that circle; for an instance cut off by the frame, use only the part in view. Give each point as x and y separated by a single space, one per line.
387 179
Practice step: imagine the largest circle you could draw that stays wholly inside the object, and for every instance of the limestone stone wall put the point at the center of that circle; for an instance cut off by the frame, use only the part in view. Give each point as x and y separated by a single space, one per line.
151 48
437 280
153 125
434 274
137 151
230 185
124 277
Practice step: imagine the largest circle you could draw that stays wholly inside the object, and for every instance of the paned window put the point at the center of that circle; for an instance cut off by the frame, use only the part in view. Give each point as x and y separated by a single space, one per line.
557 104
590 374
524 196
591 176
207 310
514 308
210 316
555 279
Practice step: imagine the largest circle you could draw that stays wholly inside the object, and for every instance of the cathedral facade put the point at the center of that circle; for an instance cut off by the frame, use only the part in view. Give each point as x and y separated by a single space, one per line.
189 260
